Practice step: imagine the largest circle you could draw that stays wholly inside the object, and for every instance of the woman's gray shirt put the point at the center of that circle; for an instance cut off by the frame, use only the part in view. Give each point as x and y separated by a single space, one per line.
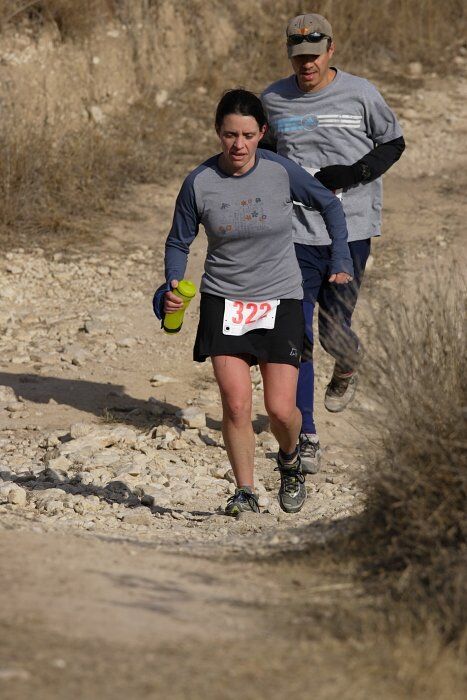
248 223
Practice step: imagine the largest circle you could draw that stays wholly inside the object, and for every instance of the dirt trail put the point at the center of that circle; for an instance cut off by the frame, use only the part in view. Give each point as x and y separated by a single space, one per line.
102 597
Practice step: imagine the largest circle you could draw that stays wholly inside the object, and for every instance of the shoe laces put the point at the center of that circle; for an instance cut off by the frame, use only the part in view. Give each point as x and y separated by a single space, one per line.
290 476
244 496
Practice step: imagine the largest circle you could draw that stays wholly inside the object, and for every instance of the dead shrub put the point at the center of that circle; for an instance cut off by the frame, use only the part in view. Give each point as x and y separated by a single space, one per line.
413 531
49 186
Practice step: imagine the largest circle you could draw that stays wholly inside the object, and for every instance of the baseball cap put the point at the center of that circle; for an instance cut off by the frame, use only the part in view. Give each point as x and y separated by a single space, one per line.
306 25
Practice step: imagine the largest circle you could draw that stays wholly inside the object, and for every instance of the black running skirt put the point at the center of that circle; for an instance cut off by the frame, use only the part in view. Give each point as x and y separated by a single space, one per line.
282 344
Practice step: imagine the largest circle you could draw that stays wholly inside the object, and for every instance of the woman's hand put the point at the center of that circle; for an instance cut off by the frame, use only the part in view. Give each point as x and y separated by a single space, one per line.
341 278
172 302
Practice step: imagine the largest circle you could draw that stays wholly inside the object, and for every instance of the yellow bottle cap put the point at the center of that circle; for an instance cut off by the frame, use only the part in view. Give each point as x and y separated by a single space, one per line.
186 288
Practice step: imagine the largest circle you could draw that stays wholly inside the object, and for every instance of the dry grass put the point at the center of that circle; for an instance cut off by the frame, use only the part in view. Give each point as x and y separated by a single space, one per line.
398 30
49 186
401 30
403 623
413 532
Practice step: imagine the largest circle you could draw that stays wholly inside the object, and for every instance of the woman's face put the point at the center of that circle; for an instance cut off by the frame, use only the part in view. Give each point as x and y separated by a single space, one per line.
239 137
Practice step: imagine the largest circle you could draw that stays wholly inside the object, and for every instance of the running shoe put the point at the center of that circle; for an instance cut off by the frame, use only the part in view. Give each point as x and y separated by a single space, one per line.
243 500
292 491
340 391
310 453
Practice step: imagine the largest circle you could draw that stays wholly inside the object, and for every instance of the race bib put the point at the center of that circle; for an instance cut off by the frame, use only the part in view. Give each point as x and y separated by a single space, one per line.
243 316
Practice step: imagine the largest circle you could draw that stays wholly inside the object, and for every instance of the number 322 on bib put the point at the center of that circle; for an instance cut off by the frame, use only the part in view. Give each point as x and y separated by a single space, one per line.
243 316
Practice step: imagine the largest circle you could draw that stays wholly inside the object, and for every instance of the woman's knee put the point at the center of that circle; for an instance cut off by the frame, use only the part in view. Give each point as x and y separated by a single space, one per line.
237 408
281 413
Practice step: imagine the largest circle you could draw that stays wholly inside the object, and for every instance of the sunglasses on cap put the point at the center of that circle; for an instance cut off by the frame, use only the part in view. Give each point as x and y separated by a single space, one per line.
314 38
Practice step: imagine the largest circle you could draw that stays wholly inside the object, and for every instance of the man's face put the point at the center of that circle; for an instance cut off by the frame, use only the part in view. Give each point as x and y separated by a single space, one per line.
312 71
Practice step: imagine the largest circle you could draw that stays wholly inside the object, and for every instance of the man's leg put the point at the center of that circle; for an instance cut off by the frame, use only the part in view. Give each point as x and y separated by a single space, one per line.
306 376
336 306
313 266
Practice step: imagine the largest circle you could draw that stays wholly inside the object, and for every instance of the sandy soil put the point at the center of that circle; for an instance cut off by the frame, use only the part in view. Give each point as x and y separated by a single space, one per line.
181 601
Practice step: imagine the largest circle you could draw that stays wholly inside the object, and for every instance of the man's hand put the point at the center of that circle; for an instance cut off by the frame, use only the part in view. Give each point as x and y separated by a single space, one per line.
337 177
341 278
172 302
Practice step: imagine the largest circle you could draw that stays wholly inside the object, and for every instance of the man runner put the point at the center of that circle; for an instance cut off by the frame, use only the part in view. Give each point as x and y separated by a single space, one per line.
338 127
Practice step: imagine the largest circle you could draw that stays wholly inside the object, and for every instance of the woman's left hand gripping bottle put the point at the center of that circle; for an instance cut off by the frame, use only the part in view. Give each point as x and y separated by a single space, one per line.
172 323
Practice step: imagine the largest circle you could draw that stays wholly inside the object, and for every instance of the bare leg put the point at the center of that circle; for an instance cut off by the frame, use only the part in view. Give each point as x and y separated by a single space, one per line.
233 378
280 392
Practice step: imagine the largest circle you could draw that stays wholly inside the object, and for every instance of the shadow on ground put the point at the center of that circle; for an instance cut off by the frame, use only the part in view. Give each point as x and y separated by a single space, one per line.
104 400
115 491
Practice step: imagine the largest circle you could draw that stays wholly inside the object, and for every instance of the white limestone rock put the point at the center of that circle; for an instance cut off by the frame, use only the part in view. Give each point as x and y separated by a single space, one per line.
7 395
17 495
192 417
139 516
161 379
415 69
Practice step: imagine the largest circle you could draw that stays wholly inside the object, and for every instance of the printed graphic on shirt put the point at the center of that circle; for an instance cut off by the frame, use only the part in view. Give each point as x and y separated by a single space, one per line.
288 125
246 216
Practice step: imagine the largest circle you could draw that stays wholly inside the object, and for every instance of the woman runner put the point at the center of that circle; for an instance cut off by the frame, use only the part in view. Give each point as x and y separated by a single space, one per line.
251 289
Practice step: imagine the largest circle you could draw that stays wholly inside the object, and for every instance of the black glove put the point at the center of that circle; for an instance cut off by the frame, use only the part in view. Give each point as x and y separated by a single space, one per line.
337 177
371 166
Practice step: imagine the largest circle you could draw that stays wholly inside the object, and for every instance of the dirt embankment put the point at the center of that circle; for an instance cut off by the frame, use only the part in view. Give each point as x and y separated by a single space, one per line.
50 79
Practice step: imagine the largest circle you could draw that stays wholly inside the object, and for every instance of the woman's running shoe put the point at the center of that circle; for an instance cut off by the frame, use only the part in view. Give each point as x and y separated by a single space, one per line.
243 500
292 491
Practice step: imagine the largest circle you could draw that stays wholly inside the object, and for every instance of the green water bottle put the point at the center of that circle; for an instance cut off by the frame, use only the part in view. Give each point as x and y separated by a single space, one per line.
186 290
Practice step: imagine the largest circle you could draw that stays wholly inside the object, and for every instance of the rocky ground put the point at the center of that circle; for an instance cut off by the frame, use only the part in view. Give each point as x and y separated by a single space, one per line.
107 424
113 474
139 462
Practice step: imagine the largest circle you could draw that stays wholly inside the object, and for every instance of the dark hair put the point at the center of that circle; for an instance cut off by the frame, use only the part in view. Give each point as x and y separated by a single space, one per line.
239 101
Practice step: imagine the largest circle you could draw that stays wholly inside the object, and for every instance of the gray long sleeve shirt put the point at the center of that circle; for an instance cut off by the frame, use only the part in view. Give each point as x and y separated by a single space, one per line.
248 223
336 125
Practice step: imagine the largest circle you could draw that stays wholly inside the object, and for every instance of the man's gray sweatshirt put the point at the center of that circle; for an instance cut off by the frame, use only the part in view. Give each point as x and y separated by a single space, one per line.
338 124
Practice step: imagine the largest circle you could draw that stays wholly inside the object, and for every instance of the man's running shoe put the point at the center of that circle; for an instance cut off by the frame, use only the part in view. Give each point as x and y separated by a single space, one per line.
243 500
310 453
340 391
292 491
